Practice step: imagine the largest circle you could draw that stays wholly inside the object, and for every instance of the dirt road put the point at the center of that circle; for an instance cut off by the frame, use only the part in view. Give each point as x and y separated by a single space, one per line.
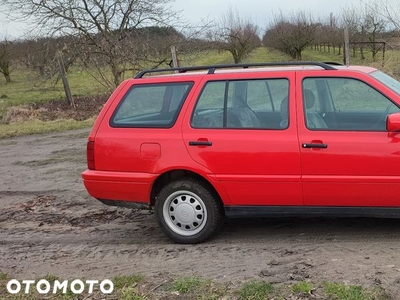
49 225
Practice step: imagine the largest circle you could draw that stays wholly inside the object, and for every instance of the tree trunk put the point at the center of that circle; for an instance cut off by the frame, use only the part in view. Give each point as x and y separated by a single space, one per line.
298 55
374 55
116 74
236 56
8 77
5 69
117 78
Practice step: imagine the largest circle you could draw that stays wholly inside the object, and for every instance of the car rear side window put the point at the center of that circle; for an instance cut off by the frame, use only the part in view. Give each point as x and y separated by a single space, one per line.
151 105
243 104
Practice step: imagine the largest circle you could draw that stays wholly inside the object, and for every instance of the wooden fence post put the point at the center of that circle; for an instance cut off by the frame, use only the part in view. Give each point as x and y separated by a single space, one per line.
175 62
346 47
63 75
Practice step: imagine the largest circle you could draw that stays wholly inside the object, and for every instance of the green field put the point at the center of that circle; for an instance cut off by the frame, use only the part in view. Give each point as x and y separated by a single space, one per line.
27 88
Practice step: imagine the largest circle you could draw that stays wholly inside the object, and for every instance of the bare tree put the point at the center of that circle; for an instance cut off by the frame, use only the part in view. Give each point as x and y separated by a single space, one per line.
390 12
103 28
129 51
328 35
291 34
36 54
367 27
5 59
39 55
237 35
375 26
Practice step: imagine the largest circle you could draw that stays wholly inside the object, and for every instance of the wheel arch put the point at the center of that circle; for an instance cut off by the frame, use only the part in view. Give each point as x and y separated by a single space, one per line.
173 175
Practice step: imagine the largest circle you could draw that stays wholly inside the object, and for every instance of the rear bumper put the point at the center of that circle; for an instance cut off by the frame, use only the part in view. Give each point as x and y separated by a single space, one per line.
119 186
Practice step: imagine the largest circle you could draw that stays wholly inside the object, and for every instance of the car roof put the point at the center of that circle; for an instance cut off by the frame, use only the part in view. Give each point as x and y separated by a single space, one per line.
251 68
363 69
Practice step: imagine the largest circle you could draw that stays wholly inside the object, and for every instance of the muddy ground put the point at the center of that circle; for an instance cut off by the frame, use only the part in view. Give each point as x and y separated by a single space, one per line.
49 225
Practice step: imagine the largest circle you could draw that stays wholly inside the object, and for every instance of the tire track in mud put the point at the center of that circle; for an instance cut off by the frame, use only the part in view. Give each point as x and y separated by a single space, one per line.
96 253
281 256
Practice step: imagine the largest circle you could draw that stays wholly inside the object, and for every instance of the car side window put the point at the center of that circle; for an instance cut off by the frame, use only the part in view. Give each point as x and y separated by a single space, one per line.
311 85
151 105
345 104
241 104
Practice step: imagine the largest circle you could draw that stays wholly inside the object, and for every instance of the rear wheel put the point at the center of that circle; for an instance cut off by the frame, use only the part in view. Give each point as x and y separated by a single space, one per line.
188 212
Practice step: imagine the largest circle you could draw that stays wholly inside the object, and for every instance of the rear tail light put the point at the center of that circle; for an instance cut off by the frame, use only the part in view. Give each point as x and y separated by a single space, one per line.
90 155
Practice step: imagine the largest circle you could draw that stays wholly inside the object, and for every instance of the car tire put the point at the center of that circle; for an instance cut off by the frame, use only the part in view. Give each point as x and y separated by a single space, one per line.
188 212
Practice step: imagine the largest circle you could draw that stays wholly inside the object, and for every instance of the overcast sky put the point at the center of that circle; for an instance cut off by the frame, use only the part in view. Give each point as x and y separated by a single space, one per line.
259 11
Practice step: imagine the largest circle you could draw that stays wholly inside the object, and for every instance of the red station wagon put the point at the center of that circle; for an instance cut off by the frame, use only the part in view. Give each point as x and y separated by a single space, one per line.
282 139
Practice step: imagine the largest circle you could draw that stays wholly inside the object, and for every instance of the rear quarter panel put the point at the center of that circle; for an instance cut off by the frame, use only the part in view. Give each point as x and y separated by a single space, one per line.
121 149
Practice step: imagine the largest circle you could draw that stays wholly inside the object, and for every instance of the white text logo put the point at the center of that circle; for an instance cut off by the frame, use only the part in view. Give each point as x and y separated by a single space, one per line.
43 286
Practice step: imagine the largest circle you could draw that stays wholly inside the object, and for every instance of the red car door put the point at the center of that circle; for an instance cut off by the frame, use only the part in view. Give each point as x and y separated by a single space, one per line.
244 132
348 158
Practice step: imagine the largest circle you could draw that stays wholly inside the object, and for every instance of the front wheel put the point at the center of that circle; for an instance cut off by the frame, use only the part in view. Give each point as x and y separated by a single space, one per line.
188 212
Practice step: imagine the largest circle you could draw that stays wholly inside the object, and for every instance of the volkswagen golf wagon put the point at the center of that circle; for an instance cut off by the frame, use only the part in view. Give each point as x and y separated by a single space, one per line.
198 144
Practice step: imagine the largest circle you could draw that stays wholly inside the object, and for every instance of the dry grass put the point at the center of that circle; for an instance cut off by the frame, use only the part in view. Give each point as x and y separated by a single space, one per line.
36 126
17 114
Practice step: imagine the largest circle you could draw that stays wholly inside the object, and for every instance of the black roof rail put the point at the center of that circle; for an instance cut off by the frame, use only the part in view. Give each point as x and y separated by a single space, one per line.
211 68
333 63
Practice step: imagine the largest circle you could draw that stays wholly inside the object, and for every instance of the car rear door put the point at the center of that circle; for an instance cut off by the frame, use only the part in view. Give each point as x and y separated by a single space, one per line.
351 160
244 131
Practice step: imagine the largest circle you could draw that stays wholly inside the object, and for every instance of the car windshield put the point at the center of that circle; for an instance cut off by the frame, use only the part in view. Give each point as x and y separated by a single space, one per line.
390 82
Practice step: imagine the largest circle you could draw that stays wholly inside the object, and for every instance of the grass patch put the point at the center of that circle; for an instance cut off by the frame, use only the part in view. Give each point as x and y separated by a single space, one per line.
36 126
263 54
185 285
341 291
50 277
126 287
255 290
136 287
315 55
211 57
26 87
302 287
196 288
131 293
215 57
128 281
